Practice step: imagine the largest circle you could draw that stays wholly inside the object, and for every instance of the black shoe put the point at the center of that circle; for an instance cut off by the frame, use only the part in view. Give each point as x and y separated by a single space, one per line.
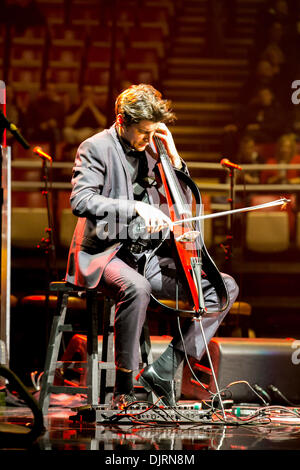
122 400
163 389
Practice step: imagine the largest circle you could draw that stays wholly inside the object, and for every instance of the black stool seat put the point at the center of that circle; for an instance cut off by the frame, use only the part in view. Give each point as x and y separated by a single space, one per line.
76 303
96 384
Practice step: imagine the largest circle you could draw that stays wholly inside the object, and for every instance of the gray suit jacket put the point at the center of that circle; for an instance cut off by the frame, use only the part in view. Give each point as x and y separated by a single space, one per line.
102 198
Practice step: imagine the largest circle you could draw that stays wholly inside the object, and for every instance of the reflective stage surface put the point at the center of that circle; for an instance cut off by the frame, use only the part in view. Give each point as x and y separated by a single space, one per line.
244 428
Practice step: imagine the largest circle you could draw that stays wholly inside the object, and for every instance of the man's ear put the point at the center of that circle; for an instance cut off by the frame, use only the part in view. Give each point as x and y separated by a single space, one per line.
119 119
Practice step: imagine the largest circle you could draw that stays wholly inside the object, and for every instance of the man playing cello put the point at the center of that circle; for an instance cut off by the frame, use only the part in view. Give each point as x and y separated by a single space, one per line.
113 182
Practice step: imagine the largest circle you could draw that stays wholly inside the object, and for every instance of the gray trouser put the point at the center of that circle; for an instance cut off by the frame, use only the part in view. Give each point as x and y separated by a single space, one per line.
131 291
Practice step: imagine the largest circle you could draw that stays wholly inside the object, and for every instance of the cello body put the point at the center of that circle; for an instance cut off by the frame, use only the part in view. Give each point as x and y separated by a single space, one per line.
190 254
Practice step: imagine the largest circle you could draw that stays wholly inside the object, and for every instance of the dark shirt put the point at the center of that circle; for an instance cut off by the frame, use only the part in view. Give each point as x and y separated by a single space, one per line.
138 169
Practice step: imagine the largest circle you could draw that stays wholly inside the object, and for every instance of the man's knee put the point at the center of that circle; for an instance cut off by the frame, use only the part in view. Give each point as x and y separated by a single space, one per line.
139 289
232 287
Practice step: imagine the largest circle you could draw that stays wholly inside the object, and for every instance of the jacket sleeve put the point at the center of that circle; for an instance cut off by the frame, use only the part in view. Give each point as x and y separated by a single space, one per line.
87 200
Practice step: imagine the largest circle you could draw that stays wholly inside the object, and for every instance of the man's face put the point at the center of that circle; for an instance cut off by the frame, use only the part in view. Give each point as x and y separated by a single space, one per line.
139 135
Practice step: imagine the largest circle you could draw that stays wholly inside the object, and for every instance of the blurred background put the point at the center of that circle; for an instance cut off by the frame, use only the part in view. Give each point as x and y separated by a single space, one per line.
228 67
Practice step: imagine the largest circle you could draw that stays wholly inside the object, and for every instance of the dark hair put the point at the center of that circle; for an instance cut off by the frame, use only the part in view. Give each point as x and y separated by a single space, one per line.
143 102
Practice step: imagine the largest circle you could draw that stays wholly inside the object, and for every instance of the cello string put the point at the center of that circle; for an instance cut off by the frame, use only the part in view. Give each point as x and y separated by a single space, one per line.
166 162
176 191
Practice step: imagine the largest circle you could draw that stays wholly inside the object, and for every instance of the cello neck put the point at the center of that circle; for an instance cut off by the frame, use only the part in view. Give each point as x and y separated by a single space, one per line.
172 181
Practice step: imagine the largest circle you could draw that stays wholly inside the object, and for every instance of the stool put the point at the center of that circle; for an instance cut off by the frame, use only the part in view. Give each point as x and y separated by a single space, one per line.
106 365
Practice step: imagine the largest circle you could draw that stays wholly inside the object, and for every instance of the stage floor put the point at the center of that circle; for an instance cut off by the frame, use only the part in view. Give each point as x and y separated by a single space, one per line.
244 428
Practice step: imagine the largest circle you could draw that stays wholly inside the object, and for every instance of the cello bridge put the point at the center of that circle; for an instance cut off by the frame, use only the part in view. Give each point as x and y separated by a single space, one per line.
188 236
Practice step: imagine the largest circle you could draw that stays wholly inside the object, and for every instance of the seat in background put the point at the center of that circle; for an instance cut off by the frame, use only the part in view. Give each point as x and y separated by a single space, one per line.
267 232
28 226
290 208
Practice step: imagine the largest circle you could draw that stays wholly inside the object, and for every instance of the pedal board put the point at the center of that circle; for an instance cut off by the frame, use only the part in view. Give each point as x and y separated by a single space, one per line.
182 414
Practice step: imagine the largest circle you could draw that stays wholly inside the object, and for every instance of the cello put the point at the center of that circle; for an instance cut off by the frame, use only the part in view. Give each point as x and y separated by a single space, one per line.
184 201
185 206
191 255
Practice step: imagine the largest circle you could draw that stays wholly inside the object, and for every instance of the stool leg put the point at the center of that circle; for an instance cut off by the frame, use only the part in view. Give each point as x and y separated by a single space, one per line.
92 348
53 351
108 375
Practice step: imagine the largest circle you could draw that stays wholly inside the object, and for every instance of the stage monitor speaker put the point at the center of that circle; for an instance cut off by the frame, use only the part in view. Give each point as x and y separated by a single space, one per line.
260 361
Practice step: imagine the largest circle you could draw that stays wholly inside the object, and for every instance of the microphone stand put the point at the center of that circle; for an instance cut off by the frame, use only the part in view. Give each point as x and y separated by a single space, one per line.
5 208
230 225
4 337
48 242
228 247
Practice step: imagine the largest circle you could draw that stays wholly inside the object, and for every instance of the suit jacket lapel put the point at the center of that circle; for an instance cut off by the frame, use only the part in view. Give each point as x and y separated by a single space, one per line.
113 134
